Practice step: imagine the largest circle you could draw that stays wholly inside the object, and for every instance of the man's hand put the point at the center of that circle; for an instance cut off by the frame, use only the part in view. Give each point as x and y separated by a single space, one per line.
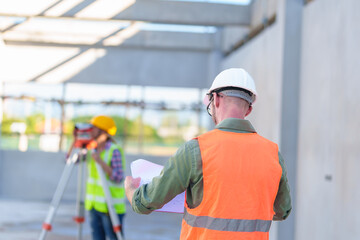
131 184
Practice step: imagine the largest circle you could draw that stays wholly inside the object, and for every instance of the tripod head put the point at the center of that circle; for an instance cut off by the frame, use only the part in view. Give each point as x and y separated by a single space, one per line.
82 141
82 134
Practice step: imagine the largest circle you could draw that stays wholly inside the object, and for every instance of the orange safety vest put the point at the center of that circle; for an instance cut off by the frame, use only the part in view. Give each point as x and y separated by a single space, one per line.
241 176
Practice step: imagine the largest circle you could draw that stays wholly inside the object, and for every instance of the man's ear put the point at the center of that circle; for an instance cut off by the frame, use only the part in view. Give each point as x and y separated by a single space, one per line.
216 100
248 111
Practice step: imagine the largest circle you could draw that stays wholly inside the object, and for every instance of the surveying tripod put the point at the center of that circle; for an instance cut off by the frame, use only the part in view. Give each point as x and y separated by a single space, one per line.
72 159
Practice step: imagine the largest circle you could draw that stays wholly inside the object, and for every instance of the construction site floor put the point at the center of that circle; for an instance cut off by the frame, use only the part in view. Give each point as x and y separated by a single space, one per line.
22 220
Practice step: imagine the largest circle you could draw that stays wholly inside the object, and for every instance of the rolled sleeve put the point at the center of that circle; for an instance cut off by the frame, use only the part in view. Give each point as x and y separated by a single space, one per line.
173 180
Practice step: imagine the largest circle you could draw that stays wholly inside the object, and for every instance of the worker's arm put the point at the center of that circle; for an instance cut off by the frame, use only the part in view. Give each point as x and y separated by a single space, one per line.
173 180
282 205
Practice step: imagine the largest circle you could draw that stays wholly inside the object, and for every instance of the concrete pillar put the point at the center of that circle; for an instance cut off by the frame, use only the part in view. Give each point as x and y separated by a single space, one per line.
62 120
1 118
1 105
290 105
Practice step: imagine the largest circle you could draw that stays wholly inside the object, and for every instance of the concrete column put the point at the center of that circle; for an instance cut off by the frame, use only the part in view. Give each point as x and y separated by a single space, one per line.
1 105
290 105
141 123
62 120
1 151
215 58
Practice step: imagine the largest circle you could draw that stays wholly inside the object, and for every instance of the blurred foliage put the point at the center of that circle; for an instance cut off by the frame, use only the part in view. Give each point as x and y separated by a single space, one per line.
170 120
6 124
34 123
148 131
125 127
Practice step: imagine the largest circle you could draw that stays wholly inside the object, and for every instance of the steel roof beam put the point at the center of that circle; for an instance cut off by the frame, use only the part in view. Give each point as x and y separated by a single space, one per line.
166 12
141 39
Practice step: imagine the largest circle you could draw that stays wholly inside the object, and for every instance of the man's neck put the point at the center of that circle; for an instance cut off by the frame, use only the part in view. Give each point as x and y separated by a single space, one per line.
232 114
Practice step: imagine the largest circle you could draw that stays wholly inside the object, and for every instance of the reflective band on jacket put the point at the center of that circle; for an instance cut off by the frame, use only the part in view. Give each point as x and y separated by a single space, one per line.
233 225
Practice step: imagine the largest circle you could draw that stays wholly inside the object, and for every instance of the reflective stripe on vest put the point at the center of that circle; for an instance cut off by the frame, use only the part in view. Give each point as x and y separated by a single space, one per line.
99 199
222 224
241 176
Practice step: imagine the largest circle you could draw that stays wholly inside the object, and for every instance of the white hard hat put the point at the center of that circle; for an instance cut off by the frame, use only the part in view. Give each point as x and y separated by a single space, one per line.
233 77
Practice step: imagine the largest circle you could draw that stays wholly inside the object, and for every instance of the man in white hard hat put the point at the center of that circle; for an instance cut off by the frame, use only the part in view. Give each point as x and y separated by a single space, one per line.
237 84
235 180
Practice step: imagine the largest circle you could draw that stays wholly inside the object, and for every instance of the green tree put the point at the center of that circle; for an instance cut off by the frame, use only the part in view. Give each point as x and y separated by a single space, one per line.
148 131
124 126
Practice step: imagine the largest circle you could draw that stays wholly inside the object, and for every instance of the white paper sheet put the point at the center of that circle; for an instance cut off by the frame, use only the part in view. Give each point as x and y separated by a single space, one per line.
147 171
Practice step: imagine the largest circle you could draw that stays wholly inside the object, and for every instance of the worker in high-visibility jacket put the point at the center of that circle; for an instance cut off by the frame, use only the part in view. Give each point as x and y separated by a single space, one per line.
111 159
235 180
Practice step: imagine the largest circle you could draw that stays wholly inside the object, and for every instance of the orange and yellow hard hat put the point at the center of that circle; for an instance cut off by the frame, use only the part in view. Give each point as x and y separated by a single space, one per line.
104 123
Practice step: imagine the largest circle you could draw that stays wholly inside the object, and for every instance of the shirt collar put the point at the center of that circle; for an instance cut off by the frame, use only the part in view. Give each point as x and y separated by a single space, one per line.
236 124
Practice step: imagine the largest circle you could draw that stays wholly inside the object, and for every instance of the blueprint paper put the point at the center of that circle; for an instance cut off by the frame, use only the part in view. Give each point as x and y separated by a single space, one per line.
147 171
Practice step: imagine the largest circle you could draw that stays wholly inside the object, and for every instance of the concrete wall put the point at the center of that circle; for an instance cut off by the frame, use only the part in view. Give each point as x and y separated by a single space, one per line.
328 160
34 175
329 153
262 58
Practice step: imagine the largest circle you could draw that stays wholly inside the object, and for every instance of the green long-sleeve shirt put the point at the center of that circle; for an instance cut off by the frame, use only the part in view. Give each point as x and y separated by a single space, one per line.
183 172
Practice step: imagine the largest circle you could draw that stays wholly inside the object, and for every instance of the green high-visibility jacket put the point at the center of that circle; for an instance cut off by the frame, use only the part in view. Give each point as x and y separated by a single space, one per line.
95 196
